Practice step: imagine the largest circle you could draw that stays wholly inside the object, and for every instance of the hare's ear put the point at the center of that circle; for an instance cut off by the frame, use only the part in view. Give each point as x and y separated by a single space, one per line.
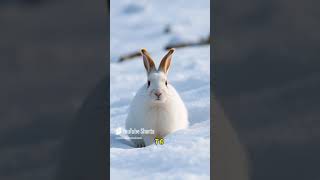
165 62
147 61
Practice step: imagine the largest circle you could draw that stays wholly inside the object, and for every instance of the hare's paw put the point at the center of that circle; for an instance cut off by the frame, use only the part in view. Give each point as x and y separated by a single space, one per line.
141 145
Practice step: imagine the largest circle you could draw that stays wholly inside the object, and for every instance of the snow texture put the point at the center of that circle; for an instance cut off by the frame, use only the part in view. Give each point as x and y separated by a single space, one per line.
141 24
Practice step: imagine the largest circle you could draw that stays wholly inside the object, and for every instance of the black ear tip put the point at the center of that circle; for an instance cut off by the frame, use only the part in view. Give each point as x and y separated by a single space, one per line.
143 50
171 50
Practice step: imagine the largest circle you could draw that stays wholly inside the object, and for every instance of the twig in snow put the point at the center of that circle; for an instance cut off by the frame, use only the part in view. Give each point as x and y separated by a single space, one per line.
178 45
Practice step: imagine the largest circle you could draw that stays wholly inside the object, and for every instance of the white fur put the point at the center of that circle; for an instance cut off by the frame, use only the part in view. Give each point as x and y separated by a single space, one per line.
164 115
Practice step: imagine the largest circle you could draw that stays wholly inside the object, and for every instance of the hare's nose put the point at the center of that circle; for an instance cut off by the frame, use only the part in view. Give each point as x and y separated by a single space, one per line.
158 94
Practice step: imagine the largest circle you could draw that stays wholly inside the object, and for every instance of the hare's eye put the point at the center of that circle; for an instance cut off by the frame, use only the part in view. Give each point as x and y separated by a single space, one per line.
166 83
148 83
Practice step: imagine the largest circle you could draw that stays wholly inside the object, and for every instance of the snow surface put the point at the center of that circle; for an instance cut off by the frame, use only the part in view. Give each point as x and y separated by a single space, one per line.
140 24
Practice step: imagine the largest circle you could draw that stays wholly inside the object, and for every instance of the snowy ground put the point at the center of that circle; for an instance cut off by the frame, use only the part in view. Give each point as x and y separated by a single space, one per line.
137 24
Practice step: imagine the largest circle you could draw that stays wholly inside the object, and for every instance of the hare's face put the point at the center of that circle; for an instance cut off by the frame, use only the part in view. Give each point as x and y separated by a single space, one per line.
157 87
157 84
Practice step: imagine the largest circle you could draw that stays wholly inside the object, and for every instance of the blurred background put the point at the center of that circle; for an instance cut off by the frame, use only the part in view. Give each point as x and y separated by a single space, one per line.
52 54
267 70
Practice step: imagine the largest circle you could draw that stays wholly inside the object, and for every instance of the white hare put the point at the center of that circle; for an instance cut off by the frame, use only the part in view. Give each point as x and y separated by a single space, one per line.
156 106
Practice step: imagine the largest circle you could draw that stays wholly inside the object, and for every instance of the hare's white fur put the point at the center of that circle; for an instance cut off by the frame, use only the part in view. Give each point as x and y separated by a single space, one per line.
163 114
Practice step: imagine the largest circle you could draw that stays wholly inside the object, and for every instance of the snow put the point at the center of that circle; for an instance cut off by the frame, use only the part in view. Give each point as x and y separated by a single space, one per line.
140 24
